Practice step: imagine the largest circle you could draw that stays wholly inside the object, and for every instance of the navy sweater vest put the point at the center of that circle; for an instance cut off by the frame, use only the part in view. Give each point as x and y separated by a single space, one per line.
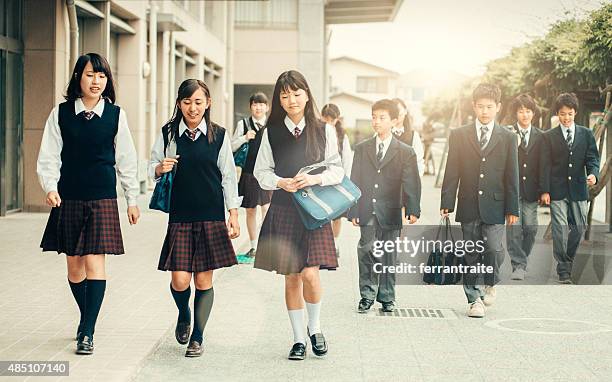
254 144
197 194
289 156
88 153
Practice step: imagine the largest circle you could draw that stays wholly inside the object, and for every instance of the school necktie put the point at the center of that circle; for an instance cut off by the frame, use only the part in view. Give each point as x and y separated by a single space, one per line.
259 126
88 114
296 132
523 138
192 134
379 154
569 138
483 136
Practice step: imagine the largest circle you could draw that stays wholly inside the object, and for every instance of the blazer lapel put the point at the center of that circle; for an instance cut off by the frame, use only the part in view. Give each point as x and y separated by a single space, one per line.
473 139
495 137
391 151
533 137
561 139
371 150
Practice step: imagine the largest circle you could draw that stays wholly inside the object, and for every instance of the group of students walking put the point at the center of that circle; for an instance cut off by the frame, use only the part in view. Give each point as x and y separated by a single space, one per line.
86 143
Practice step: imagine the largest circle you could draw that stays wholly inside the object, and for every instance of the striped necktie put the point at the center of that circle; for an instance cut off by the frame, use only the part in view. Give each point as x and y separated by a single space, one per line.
192 134
569 139
88 114
483 136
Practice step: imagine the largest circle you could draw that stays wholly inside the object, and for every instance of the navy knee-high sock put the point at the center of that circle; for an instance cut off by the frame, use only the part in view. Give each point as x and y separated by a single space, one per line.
181 298
93 299
78 292
201 311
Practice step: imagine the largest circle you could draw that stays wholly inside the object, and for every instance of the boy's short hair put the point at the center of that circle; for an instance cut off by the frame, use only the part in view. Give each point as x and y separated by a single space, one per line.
487 91
258 97
389 105
566 99
524 100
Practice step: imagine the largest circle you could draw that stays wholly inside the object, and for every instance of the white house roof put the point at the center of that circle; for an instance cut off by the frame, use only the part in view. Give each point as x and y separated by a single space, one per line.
360 11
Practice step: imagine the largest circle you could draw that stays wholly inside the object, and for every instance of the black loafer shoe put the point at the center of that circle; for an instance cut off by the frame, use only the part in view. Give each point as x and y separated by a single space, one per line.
251 253
298 352
388 306
364 305
79 330
318 343
85 345
194 349
565 279
181 333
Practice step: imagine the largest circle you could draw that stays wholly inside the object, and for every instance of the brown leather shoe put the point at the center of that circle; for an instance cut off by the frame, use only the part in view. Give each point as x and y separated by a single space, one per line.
194 349
181 333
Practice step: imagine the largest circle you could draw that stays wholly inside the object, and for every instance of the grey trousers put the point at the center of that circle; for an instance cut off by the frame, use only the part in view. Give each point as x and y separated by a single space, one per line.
493 255
568 223
520 237
372 285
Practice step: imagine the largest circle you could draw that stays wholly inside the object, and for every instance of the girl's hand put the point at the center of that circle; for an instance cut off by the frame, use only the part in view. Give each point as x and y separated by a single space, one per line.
53 199
250 135
305 180
133 214
166 165
233 227
287 184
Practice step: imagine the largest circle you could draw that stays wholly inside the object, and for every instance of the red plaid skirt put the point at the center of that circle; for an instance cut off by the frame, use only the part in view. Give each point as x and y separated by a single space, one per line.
84 227
197 247
253 195
286 246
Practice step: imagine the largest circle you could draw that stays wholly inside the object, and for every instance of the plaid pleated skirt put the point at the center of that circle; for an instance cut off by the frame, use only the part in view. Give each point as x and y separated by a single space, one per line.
197 247
84 227
253 195
286 246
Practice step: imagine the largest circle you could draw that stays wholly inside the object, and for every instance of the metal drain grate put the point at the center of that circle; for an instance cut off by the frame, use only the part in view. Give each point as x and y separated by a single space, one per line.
444 314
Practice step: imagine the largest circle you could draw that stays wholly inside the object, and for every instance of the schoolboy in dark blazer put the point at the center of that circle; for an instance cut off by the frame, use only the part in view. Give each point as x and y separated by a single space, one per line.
572 164
482 163
386 172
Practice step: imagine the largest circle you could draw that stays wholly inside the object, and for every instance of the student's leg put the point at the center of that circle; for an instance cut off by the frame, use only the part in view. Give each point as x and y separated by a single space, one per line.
386 288
560 233
514 242
77 279
264 211
336 227
96 286
312 296
203 302
295 306
368 280
530 226
251 219
578 223
472 283
494 250
181 292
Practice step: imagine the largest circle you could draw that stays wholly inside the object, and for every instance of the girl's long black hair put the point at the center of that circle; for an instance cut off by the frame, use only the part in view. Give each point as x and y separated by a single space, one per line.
100 65
407 122
186 90
333 111
315 131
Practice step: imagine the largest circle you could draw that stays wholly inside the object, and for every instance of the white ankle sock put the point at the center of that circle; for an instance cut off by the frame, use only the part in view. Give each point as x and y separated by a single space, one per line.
254 244
297 324
314 313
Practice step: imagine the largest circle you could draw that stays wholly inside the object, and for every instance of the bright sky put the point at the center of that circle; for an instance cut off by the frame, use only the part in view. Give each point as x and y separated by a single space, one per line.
452 35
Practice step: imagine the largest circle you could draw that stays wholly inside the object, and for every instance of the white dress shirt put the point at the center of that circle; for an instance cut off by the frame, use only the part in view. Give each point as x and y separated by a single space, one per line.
347 155
526 132
479 126
225 162
239 136
126 160
417 146
264 165
572 128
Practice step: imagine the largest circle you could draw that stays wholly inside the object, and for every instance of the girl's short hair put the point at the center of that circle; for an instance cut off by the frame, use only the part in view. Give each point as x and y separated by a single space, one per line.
258 97
100 65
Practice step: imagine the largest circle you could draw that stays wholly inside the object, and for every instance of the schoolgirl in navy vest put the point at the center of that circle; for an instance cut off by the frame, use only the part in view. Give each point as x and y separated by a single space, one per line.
205 185
86 142
330 114
295 137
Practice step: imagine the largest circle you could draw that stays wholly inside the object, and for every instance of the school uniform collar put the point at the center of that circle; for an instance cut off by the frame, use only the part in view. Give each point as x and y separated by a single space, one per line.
202 127
291 126
79 107
489 126
397 130
385 142
262 121
519 129
572 128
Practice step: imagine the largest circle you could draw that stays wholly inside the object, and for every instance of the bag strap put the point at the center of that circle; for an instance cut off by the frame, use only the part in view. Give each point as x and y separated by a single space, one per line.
325 163
166 137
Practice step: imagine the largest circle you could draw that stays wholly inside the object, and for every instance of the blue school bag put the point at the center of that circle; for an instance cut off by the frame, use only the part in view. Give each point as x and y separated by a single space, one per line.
160 200
241 154
319 205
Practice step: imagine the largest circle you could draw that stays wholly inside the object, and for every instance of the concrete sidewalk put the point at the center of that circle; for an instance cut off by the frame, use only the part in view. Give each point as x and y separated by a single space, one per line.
533 333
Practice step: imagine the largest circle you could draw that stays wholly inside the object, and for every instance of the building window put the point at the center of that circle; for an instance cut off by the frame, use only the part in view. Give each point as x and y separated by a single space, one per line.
266 14
372 84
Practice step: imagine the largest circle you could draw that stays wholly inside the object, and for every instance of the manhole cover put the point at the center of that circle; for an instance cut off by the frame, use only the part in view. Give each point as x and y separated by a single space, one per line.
444 314
555 326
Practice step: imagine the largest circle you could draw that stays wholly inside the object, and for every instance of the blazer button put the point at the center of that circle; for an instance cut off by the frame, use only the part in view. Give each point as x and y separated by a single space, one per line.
570 165
524 178
569 177
484 159
378 171
571 153
524 164
482 175
373 200
480 192
376 186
